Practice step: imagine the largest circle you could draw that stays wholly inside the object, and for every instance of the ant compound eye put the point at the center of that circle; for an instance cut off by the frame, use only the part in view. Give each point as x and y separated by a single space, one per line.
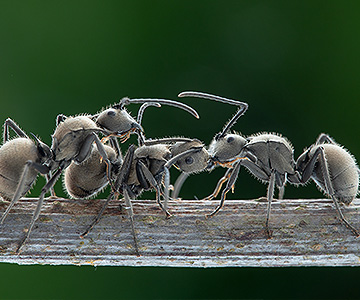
230 139
189 160
111 113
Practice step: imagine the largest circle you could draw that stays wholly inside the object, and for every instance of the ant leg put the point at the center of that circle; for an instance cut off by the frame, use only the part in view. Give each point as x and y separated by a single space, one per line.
323 137
52 191
86 148
306 174
168 165
105 158
255 169
98 217
309 168
115 145
280 181
219 185
9 123
178 184
85 151
131 216
232 179
125 168
270 196
330 191
262 174
281 192
44 190
166 187
21 185
151 180
295 178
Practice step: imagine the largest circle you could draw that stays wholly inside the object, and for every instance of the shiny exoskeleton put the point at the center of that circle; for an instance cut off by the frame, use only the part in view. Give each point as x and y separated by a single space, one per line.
91 176
268 156
72 141
197 165
146 167
87 179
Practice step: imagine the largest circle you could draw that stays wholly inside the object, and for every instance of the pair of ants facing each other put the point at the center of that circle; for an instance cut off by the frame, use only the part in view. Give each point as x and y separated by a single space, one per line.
89 164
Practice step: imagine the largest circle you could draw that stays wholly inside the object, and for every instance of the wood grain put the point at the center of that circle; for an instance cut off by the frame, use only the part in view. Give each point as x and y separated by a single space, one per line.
305 233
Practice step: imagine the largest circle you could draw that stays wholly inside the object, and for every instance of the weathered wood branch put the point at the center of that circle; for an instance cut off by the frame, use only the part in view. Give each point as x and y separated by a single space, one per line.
305 233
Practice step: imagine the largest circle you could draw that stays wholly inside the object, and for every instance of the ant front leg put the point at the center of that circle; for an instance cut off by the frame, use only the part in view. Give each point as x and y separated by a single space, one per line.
221 181
115 145
230 184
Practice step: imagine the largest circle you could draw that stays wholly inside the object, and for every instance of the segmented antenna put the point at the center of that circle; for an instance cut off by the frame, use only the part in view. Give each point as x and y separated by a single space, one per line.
243 107
141 136
126 101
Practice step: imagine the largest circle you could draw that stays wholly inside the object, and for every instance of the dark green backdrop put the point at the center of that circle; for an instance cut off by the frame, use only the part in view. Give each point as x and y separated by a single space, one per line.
295 62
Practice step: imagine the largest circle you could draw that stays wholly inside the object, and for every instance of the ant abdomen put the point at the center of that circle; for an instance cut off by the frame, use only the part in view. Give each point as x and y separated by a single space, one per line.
90 177
13 156
343 173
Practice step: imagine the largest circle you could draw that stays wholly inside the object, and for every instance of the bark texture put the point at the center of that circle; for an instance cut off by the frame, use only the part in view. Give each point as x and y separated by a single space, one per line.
304 233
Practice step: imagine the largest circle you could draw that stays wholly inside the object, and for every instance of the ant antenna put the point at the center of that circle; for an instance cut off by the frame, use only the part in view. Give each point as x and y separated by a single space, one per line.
127 101
243 107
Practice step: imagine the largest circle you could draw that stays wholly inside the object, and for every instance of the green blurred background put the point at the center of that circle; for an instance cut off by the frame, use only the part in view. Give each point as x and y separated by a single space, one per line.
295 62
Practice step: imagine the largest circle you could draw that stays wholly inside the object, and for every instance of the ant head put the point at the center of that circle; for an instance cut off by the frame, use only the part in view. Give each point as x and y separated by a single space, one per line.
223 149
193 162
117 120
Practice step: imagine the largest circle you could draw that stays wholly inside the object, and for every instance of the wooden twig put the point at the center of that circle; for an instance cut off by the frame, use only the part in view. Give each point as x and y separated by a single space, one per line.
305 233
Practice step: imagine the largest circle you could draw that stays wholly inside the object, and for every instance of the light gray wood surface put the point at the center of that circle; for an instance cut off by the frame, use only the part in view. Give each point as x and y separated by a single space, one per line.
305 233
